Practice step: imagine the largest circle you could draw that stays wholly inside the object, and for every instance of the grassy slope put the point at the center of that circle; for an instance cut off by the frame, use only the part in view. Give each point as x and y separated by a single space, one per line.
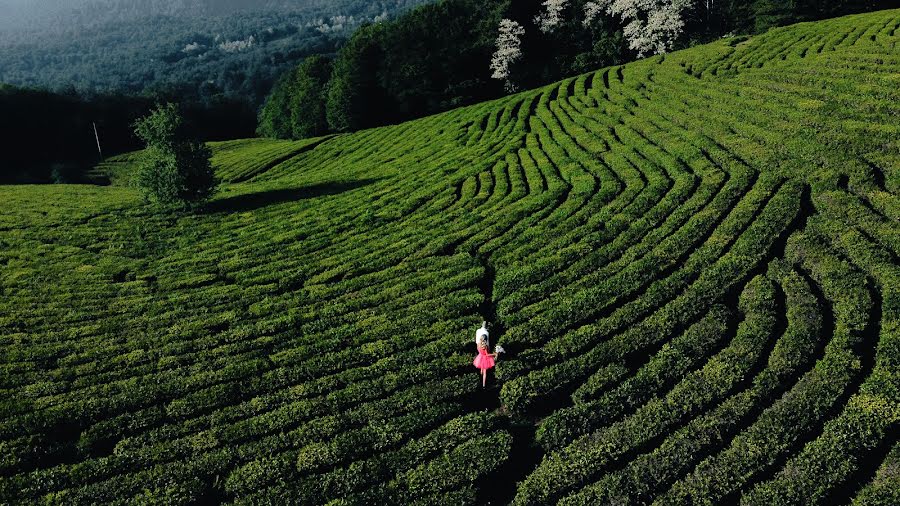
234 161
692 261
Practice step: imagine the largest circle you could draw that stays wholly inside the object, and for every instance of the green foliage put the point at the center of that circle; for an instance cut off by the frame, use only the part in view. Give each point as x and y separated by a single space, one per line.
772 13
430 60
884 490
163 128
275 115
307 103
173 171
354 99
691 261
243 159
296 107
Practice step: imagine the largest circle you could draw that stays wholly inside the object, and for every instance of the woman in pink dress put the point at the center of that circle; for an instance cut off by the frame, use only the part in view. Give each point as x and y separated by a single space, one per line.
484 360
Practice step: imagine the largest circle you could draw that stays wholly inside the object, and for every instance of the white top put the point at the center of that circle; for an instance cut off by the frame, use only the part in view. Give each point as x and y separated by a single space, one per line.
482 335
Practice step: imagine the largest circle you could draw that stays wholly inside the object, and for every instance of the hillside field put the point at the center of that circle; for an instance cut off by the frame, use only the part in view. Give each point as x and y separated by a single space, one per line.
691 261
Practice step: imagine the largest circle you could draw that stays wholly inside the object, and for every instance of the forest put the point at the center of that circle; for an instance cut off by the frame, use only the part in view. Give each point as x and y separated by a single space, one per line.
202 51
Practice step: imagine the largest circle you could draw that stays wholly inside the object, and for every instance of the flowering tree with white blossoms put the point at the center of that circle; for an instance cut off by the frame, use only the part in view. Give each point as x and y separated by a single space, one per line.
591 11
553 15
509 50
652 26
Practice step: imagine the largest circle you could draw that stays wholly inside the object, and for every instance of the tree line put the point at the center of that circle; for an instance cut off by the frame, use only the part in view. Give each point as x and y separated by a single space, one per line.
457 52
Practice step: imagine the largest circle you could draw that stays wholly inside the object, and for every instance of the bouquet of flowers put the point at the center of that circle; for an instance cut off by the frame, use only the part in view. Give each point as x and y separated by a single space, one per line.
499 349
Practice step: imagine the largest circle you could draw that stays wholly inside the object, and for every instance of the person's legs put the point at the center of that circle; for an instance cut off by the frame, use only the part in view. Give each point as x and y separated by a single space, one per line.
483 378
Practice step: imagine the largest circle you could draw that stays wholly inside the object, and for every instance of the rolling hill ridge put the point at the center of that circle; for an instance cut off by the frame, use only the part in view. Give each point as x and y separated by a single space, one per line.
691 260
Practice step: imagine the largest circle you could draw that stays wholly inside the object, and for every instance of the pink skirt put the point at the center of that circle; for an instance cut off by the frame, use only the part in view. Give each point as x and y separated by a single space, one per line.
483 361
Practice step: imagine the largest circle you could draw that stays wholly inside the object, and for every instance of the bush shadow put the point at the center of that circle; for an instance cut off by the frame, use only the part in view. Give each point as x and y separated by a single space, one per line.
258 200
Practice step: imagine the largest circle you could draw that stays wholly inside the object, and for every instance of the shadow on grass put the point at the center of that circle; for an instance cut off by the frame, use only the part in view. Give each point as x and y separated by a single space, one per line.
253 201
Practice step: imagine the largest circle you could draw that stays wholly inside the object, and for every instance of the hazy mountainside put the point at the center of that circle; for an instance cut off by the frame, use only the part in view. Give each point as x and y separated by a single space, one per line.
73 15
68 15
199 49
691 260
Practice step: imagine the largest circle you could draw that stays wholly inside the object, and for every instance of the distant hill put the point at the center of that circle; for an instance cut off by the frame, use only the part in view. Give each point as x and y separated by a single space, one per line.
203 49
64 15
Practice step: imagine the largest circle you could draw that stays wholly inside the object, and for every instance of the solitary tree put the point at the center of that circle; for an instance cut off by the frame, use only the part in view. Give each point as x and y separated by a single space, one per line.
174 170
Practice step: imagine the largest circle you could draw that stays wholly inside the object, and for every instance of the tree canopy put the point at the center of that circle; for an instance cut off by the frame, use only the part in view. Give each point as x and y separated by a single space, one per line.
174 169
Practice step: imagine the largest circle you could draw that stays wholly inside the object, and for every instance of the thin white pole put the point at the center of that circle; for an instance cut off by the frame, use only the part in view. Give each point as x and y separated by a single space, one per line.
97 136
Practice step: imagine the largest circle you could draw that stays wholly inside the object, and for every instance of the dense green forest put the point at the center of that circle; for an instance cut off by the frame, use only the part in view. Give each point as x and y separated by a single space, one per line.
437 57
202 51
